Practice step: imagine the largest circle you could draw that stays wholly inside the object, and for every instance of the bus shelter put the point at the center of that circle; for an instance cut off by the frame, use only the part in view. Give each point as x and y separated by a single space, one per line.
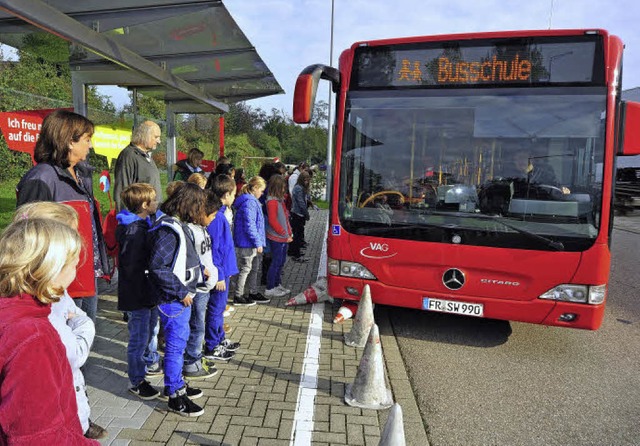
189 53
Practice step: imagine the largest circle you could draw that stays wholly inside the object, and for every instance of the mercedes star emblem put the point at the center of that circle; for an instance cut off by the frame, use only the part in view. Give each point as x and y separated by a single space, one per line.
453 279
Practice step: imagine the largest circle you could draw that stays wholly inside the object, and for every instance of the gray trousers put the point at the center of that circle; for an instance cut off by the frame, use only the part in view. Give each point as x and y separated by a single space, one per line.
249 262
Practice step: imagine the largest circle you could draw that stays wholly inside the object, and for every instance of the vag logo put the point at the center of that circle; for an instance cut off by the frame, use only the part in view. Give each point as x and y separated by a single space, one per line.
376 250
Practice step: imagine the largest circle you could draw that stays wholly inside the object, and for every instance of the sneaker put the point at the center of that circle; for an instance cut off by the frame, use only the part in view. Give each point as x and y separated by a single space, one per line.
283 289
154 369
300 259
230 308
243 301
230 345
198 370
276 292
218 354
95 432
181 404
191 392
145 391
259 298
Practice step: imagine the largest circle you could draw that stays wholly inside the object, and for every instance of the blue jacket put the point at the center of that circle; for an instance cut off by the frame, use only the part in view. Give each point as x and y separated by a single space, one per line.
222 248
174 264
133 262
248 227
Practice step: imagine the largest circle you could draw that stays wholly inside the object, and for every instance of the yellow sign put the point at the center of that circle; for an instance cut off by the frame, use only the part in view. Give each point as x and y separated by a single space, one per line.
108 141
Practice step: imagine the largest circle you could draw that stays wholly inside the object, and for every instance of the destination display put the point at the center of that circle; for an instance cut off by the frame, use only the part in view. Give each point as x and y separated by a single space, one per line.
470 63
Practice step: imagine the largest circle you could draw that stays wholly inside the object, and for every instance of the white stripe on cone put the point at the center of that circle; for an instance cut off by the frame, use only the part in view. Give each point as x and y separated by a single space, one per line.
346 311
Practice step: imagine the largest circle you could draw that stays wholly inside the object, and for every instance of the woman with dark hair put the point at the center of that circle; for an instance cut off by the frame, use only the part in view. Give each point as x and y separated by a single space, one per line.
191 165
299 216
63 175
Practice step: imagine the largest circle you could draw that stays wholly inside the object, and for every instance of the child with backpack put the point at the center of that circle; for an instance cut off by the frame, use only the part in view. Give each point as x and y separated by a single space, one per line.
174 273
194 367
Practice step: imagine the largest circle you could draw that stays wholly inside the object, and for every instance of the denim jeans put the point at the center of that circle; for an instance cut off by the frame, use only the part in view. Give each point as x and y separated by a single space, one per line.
249 261
214 326
278 258
175 319
140 353
151 355
193 353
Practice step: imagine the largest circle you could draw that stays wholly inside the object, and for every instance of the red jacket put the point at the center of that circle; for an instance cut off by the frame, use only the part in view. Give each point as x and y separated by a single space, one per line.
37 398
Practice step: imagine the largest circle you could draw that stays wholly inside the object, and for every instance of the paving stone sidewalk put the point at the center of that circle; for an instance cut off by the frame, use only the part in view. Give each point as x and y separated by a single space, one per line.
252 400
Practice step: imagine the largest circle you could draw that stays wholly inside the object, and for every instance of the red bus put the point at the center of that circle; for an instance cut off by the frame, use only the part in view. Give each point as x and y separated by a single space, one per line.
474 173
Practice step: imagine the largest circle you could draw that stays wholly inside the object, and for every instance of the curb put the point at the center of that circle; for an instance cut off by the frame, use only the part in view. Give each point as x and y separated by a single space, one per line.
414 427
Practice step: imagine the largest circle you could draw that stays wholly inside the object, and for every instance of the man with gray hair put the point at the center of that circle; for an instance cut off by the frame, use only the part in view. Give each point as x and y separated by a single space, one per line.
135 165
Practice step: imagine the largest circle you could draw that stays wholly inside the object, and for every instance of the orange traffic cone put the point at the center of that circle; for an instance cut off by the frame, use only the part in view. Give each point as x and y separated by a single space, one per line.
346 311
315 293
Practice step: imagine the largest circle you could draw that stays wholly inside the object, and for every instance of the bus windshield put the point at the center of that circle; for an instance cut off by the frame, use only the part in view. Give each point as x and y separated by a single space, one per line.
509 167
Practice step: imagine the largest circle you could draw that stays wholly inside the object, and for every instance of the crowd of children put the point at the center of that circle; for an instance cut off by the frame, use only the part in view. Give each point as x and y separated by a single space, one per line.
177 263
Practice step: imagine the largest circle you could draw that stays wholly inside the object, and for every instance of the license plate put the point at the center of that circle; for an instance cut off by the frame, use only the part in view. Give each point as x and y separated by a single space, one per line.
453 307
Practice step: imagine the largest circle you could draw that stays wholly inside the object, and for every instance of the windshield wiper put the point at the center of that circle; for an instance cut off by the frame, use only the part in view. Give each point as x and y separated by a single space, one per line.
558 246
387 229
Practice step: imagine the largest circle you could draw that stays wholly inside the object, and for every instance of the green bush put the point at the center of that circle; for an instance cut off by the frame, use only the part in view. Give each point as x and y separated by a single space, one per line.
12 164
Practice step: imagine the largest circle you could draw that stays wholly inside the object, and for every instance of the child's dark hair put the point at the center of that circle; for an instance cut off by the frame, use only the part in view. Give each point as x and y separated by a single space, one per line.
223 184
186 203
135 195
213 203
277 187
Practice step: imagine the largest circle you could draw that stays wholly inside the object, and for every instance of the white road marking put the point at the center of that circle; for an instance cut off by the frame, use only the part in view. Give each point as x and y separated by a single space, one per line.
303 419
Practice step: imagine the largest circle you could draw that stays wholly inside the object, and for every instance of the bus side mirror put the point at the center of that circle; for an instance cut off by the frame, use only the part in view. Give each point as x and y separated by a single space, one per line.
304 96
629 134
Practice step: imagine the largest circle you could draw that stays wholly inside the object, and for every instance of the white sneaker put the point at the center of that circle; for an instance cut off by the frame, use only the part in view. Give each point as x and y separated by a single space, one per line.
283 289
273 292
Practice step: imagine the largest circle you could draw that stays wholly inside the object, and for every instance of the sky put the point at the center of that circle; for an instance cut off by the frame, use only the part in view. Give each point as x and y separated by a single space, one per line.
292 34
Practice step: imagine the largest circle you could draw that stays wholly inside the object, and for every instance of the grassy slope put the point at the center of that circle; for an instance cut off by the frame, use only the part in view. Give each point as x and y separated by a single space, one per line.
8 197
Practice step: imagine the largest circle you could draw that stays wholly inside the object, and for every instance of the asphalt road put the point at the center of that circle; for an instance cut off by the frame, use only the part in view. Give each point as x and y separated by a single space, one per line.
480 381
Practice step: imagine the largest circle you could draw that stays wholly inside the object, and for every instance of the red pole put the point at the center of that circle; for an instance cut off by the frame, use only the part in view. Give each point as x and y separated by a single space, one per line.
221 135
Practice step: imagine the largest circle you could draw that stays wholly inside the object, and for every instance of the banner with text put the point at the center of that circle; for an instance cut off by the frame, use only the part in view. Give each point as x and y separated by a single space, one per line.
21 128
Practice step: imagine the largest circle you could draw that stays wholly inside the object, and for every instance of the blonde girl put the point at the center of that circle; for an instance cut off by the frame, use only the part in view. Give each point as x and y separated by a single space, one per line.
249 241
76 329
38 260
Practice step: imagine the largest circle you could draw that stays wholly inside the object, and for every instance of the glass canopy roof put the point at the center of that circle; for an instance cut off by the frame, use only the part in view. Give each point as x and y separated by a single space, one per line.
192 53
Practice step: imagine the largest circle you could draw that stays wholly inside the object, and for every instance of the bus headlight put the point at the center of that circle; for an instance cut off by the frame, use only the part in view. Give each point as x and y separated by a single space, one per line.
594 294
348 269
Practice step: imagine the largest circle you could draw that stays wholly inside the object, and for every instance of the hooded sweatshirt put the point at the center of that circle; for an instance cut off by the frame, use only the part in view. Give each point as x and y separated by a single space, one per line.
133 261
